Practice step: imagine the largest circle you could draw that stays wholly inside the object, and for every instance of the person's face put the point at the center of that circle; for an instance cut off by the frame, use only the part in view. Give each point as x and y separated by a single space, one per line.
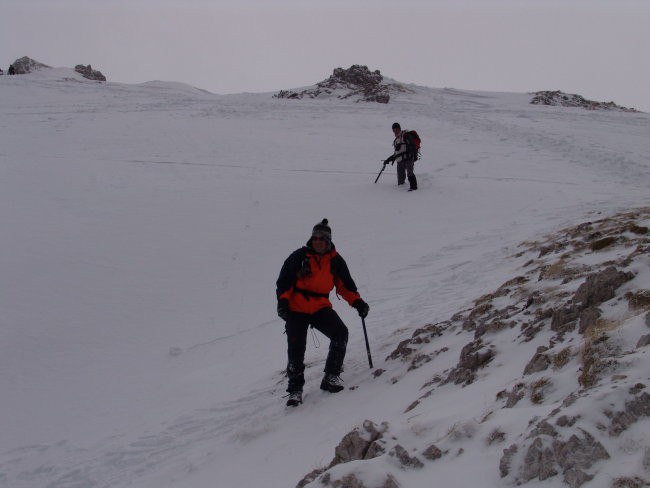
396 131
319 244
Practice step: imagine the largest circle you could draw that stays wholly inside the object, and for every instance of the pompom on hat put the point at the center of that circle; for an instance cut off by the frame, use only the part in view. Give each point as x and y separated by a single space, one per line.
322 229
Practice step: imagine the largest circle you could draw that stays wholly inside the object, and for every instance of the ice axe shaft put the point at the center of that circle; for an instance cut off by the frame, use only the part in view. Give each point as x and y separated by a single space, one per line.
380 172
365 335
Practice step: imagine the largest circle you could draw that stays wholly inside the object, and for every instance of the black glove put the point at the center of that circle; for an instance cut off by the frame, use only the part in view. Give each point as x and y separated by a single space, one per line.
362 307
283 309
390 160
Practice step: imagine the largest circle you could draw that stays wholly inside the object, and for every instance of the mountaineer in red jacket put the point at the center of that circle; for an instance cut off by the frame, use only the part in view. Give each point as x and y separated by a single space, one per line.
306 279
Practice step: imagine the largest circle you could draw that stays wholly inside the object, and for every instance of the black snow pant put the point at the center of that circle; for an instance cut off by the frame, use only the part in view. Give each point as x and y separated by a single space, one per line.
404 169
327 321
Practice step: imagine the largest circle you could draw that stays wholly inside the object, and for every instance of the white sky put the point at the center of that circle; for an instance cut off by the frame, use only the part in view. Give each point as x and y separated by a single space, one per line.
595 48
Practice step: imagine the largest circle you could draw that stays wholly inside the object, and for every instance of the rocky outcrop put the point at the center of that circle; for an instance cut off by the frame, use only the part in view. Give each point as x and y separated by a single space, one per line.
567 449
568 336
540 361
89 73
26 65
360 444
560 99
635 409
363 443
549 455
356 83
473 356
404 458
582 308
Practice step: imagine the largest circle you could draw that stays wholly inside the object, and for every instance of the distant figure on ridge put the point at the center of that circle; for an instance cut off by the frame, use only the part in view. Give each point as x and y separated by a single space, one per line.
306 279
407 146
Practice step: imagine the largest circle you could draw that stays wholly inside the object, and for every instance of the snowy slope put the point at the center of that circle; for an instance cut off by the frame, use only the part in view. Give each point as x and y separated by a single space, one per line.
144 227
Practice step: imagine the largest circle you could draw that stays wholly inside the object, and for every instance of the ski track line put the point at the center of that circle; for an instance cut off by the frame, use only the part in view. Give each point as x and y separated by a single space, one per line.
178 350
238 166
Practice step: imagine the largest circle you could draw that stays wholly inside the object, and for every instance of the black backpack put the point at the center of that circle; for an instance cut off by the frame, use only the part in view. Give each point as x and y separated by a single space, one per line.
413 141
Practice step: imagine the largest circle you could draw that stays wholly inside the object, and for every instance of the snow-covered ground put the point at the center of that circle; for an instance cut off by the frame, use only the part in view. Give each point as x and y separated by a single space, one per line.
143 228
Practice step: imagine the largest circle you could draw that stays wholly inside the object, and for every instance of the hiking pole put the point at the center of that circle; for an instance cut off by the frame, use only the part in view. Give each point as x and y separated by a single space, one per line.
365 334
380 172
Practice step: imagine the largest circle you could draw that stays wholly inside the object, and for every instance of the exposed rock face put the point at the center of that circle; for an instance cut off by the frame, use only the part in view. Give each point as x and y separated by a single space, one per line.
404 458
598 288
583 382
558 98
357 83
540 361
473 356
643 341
432 453
506 460
26 65
548 455
89 73
358 444
635 409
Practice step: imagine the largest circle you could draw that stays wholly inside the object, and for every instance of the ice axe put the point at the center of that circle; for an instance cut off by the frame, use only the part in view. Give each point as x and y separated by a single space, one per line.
386 161
380 172
365 334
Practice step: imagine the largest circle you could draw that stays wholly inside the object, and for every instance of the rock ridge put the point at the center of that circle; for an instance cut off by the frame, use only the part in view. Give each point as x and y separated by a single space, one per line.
558 98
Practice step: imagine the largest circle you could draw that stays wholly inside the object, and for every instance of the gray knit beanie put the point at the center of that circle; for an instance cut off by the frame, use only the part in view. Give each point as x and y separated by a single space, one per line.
322 229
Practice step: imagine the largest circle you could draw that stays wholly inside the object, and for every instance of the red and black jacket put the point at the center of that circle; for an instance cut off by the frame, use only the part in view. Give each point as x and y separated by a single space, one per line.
307 278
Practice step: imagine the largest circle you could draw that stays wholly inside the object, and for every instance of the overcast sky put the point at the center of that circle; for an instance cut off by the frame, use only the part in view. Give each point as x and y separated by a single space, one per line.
596 48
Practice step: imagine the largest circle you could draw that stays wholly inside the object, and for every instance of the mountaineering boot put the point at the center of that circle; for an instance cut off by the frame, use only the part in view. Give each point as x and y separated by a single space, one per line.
413 183
331 383
295 399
